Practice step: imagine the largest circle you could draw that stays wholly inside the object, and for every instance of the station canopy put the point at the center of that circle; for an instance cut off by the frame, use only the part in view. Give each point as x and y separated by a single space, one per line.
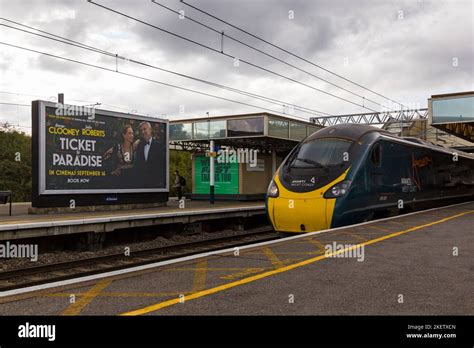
263 131
453 113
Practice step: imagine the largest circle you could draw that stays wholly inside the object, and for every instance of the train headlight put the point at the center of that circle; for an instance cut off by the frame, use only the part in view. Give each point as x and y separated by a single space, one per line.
338 190
272 190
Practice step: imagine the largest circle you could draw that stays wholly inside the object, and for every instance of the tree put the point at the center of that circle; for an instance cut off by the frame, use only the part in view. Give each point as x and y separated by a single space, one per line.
15 164
180 160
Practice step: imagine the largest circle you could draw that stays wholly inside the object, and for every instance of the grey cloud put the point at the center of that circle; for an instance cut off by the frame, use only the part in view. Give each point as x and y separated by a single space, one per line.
408 58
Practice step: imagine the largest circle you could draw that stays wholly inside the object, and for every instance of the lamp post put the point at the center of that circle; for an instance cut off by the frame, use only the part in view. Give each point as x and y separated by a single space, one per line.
211 172
211 163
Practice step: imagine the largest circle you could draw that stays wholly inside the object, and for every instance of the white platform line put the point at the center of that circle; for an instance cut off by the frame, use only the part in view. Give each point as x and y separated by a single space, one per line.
59 223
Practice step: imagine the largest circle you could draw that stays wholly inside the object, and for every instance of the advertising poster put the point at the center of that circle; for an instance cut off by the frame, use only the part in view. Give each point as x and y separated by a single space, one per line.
226 176
101 153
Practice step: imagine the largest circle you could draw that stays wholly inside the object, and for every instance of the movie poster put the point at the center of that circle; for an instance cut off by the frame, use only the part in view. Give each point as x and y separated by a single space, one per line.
103 153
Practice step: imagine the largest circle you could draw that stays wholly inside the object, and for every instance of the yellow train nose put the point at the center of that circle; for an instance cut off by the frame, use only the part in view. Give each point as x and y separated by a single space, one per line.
298 215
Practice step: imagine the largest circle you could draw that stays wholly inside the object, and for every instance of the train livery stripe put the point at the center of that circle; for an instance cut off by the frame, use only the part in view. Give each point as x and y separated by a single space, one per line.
251 279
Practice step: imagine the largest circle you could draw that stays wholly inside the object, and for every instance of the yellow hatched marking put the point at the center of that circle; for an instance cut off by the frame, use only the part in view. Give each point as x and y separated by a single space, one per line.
200 276
378 228
207 269
272 257
243 273
356 236
318 244
77 307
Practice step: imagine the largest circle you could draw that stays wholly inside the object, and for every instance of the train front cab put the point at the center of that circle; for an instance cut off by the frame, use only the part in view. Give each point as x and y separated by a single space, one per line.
313 179
304 212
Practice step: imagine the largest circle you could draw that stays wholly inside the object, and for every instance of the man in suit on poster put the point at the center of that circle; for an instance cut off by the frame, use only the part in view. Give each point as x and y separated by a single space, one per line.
150 159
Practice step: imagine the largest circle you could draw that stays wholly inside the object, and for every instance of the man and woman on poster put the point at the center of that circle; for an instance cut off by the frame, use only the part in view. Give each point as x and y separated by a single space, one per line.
138 163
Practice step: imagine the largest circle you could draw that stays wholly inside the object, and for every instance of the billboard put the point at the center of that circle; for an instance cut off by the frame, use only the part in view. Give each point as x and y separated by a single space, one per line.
226 176
86 151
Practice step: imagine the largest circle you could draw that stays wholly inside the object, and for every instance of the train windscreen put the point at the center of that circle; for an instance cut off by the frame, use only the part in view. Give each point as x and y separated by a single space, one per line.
315 163
321 153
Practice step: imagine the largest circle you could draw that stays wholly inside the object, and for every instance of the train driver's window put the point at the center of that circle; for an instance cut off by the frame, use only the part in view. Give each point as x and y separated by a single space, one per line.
376 155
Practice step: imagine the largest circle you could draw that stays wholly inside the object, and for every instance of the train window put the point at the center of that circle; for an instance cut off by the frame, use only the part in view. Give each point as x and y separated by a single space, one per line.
376 155
321 153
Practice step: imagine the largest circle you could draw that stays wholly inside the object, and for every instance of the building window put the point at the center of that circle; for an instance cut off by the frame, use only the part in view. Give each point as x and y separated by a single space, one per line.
201 130
278 128
245 127
181 131
297 131
217 129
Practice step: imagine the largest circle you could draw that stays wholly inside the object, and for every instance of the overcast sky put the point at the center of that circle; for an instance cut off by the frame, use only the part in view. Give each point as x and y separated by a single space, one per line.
404 50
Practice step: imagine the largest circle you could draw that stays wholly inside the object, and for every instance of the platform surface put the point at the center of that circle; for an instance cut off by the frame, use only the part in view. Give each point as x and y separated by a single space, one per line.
420 264
21 225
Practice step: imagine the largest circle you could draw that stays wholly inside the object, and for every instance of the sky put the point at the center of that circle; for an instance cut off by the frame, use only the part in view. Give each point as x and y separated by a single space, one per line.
403 50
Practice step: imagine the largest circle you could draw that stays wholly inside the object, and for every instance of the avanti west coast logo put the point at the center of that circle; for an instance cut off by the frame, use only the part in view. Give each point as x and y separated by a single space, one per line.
21 251
75 110
28 330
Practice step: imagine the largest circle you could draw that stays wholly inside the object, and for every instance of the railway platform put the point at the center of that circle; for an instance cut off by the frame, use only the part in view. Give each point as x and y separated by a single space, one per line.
21 225
414 264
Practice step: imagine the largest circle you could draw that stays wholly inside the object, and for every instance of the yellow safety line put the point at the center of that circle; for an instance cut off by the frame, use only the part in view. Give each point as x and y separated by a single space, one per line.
272 257
243 273
256 277
86 298
199 282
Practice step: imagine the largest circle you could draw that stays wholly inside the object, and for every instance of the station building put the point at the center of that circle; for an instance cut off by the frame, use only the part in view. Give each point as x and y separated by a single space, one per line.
252 147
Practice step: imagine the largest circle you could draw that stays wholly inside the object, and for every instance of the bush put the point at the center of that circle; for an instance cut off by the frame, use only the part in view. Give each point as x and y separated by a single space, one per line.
15 164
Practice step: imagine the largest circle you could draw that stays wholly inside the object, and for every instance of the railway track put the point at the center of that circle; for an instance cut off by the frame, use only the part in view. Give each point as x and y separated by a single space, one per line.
48 273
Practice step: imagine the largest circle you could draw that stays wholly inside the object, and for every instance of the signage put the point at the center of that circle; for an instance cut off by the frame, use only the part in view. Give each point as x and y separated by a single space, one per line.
103 152
226 176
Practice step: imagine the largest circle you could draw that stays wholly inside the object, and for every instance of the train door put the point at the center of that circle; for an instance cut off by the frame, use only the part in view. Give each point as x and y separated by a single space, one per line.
374 176
375 172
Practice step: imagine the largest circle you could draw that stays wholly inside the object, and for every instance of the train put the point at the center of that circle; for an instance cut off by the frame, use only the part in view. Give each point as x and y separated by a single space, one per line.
351 173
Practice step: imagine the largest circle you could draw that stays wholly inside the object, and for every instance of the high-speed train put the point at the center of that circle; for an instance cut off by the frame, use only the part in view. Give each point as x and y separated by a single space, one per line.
350 173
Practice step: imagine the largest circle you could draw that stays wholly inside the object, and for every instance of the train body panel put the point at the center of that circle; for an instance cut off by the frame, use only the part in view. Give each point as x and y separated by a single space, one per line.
316 188
309 211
